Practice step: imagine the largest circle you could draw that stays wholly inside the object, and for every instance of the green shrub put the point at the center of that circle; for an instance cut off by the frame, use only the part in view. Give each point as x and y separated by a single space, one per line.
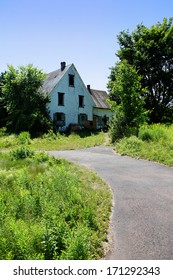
3 131
21 153
117 127
24 138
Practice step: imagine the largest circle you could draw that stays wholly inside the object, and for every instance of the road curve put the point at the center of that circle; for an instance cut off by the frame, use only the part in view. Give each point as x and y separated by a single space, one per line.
142 220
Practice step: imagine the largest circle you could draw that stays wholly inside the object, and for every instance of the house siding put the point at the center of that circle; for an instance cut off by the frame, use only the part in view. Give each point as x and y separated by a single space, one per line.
71 107
102 112
99 115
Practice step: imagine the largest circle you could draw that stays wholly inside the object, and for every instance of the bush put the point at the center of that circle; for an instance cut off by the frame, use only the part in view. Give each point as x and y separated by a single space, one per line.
24 138
21 153
3 131
119 128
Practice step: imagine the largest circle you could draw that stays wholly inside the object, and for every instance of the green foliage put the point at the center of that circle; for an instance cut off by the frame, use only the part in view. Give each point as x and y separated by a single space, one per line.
129 106
117 127
50 209
24 138
25 105
52 141
154 142
132 144
3 110
3 131
150 51
21 153
7 141
155 132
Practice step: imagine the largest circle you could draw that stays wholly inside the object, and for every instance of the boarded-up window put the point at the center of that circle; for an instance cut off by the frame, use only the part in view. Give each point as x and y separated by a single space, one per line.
82 118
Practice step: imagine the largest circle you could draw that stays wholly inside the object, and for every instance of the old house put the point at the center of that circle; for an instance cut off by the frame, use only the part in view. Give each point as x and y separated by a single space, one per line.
72 103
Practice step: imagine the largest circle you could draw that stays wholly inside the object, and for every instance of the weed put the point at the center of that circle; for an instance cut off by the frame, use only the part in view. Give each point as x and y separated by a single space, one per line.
24 138
21 153
52 141
154 142
49 209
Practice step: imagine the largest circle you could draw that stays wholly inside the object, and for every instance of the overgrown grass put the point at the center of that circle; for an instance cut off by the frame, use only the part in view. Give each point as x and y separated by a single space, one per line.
52 141
154 142
50 208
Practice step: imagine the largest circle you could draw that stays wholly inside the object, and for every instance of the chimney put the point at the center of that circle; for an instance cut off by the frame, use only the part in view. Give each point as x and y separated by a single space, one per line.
88 87
63 65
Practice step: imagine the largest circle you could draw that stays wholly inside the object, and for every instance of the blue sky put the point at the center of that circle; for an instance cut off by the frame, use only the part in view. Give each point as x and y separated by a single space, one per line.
46 32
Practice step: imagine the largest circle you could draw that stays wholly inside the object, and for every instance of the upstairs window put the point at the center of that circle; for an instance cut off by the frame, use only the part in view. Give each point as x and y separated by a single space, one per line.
71 80
81 101
60 98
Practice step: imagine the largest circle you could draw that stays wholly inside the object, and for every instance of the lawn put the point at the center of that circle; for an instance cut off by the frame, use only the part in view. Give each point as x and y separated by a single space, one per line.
50 208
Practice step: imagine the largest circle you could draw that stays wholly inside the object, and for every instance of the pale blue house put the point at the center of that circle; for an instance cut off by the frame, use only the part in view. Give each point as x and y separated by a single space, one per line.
72 103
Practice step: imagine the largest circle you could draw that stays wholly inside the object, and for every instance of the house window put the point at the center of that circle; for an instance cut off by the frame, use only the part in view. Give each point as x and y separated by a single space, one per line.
60 98
81 101
99 121
82 118
59 119
71 80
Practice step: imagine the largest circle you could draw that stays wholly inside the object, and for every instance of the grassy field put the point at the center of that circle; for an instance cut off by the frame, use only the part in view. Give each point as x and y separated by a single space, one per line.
50 208
52 141
154 142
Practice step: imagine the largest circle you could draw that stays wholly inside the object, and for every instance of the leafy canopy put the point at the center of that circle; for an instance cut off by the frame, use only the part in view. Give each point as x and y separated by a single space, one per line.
128 104
150 51
24 102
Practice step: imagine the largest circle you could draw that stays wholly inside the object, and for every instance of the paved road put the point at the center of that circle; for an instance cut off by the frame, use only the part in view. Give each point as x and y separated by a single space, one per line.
142 220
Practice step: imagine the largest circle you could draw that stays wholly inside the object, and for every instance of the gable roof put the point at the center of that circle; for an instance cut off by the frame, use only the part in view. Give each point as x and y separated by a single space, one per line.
53 78
100 97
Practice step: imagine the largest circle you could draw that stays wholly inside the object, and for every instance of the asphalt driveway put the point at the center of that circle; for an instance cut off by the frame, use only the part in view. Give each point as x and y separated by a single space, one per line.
142 220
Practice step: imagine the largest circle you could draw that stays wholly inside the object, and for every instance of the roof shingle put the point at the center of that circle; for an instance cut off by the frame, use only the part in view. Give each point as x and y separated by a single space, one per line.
53 78
100 97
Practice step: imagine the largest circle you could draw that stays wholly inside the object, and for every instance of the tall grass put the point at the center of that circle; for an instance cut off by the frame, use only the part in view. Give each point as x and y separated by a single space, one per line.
154 142
52 141
50 209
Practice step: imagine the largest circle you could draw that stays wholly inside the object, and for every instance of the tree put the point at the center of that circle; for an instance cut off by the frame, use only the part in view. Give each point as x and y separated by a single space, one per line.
25 104
128 104
150 51
3 111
